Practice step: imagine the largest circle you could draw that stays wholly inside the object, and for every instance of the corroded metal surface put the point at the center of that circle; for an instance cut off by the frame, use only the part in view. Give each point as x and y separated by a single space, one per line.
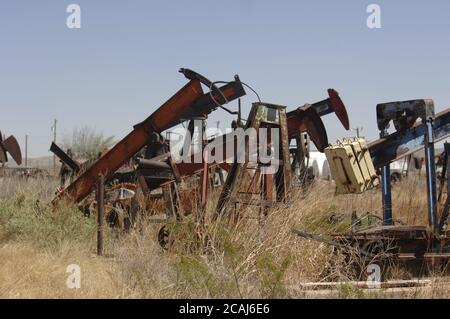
403 143
160 120
10 146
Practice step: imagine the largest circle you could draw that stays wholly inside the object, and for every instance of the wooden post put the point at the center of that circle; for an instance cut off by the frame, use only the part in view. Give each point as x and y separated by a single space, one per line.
26 150
100 213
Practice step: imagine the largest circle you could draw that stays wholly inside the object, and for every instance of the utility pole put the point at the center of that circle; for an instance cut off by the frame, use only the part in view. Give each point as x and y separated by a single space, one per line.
26 150
358 131
100 193
54 141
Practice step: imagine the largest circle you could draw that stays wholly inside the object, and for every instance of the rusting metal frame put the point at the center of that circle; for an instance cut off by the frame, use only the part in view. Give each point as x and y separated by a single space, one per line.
134 141
231 192
299 155
208 102
283 177
296 124
174 209
306 118
188 102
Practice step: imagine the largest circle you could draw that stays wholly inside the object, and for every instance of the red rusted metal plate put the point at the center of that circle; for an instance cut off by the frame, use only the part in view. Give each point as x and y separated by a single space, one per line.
339 108
12 147
305 119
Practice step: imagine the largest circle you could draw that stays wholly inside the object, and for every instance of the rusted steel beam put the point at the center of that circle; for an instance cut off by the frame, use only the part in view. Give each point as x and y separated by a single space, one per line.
205 105
401 144
159 121
300 120
188 103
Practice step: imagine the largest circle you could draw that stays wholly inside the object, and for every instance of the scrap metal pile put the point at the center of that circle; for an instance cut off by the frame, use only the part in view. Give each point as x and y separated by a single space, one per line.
143 175
153 167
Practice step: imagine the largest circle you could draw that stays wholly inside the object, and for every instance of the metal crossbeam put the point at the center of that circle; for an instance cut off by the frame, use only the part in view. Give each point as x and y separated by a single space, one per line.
400 144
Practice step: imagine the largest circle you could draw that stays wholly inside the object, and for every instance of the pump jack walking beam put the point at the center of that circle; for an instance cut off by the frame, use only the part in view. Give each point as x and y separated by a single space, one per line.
400 144
133 142
64 157
186 103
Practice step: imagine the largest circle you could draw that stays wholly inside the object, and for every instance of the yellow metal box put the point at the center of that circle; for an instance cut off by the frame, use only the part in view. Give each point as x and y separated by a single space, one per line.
351 166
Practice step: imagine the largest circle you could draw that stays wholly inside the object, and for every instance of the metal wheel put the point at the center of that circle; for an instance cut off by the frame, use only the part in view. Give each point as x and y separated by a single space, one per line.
163 237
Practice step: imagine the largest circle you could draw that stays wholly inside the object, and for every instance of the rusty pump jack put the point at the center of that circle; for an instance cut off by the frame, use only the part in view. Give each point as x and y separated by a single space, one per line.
188 102
10 145
64 157
269 117
305 119
333 104
289 125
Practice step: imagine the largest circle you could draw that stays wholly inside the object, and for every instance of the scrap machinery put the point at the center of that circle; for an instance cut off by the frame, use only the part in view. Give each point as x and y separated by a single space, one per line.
154 167
357 167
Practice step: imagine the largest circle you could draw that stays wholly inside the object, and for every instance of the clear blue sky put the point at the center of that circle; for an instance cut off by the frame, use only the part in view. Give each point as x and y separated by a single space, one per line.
122 64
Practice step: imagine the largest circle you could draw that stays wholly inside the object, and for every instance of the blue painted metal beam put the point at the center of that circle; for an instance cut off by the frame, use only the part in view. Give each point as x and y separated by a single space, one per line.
400 144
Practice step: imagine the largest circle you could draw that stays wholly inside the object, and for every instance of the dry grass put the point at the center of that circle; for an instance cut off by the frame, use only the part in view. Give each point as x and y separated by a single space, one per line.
256 258
28 273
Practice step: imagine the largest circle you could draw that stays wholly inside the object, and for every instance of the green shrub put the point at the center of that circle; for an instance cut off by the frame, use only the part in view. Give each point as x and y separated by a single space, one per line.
27 219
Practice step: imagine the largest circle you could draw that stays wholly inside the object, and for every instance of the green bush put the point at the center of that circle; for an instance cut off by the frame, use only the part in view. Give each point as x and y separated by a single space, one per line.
27 219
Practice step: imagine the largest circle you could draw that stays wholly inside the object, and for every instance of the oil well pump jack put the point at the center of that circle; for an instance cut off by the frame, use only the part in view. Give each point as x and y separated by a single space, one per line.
416 127
189 102
160 170
156 168
11 147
